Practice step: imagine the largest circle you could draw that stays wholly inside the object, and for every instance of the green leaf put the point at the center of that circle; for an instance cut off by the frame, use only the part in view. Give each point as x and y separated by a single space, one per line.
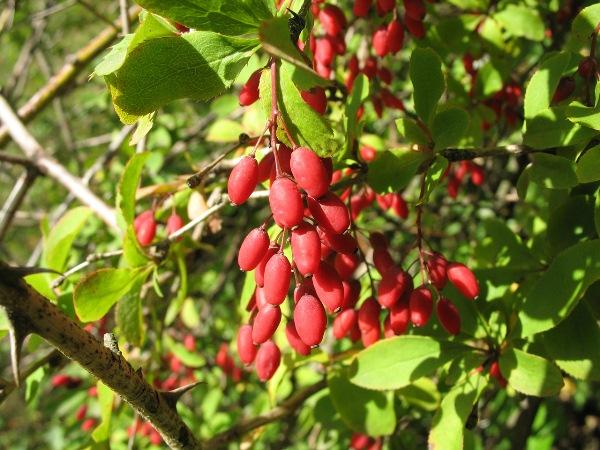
392 170
489 79
115 58
197 65
582 28
581 361
224 130
128 314
530 374
597 213
434 174
57 245
428 81
105 400
133 253
375 416
448 127
275 39
521 21
543 83
127 188
447 428
412 132
588 166
550 128
584 115
306 126
570 222
552 172
228 17
422 393
554 295
95 294
407 357
360 92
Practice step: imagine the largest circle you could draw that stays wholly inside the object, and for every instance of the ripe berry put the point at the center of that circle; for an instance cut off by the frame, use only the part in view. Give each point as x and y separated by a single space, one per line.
395 33
268 358
309 172
370 67
324 51
330 212
278 272
391 101
310 320
88 424
399 317
436 266
463 279
265 323
384 74
286 203
223 360
394 283
368 315
377 105
448 316
378 240
249 92
346 264
81 412
316 99
497 374
388 332
344 322
141 218
332 20
189 342
421 306
253 249
243 180
415 27
385 6
146 230
351 293
328 287
380 41
564 90
587 68
368 153
477 174
245 346
259 273
294 340
265 166
174 223
360 441
415 9
361 7
306 248
342 243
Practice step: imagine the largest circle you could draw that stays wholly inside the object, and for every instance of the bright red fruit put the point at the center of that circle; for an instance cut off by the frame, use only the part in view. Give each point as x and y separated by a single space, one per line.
448 316
328 287
316 99
306 248
393 284
259 273
243 180
294 340
88 424
146 230
332 19
310 320
278 273
382 260
324 51
245 345
253 249
265 166
81 412
463 279
249 92
380 41
399 317
330 212
174 223
421 306
378 240
436 266
346 264
141 218
385 6
368 322
415 27
268 358
309 172
497 374
344 322
304 288
391 101
343 243
286 203
415 9
361 7
477 175
368 153
395 32
384 73
265 323
370 67
351 293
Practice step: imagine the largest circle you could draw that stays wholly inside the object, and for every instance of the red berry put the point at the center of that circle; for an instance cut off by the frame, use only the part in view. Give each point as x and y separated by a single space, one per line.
223 360
249 92
448 316
360 441
268 358
332 20
384 73
415 27
174 223
146 215
294 340
370 67
477 175
253 249
243 180
497 374
265 166
377 105
421 306
390 100
368 153
587 68
259 273
436 266
309 172
278 272
189 342
342 243
330 212
385 6
316 99
81 412
368 315
146 230
395 39
245 345
361 7
345 264
463 279
265 323
328 287
415 9
351 293
324 51
388 332
88 424
399 206
378 240
564 90
304 288
399 317
344 322
394 283
380 41
286 203
306 248
310 320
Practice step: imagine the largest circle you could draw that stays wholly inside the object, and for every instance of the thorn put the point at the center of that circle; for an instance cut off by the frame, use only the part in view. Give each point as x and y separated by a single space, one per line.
171 397
17 334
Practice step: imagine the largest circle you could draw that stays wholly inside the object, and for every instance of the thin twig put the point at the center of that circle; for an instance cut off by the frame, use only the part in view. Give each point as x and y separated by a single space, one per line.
14 200
124 16
82 265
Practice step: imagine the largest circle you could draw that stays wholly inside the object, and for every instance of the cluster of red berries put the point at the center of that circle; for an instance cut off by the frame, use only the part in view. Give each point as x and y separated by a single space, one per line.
65 381
587 70
456 176
87 423
145 429
506 103
361 441
225 361
145 226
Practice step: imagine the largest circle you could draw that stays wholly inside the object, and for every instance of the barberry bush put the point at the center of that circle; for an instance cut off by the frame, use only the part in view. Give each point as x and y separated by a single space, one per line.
356 224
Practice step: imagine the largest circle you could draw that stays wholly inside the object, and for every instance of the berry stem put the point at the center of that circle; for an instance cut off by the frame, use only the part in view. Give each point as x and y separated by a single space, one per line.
419 220
274 113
